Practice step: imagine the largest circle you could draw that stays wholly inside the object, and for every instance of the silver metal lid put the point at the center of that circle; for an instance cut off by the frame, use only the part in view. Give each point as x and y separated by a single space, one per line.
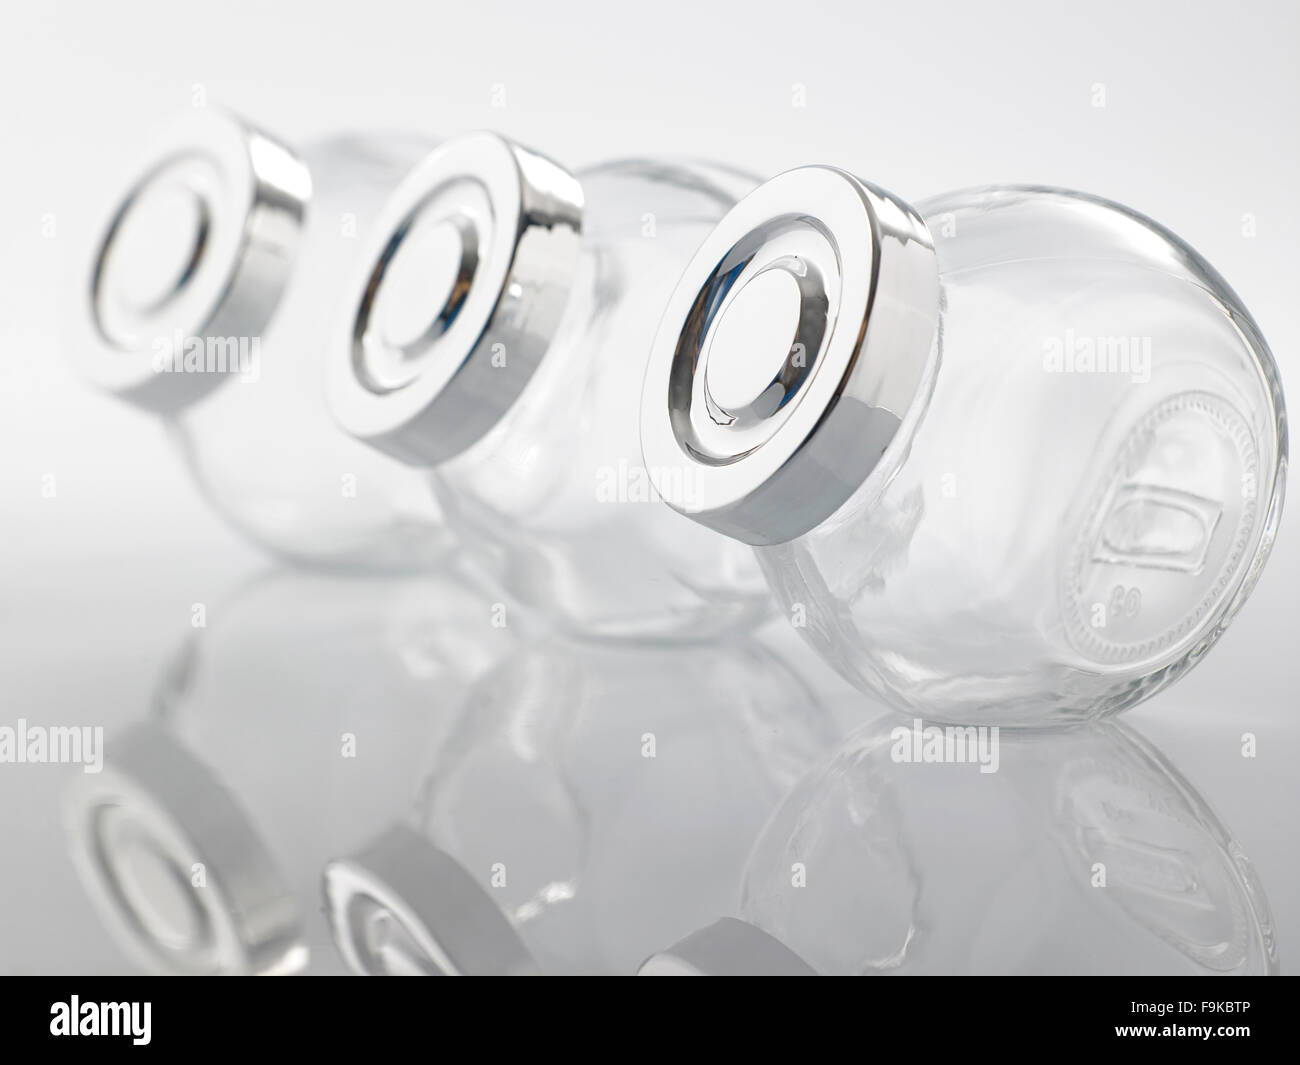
795 342
457 297
727 948
196 255
402 907
174 867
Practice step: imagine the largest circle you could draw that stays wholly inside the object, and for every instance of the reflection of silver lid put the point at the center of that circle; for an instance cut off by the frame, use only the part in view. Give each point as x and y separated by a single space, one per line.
403 907
727 948
794 344
177 872
196 255
457 297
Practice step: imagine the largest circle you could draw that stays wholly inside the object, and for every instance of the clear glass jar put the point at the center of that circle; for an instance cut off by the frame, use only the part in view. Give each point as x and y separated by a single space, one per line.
591 800
1084 851
299 717
1030 461
213 296
523 401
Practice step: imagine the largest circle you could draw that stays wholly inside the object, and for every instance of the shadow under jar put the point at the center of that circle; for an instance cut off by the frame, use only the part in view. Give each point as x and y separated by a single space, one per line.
1013 456
497 335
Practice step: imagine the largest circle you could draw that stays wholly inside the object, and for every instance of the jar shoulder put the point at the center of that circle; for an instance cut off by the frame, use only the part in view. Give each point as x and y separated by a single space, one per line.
992 225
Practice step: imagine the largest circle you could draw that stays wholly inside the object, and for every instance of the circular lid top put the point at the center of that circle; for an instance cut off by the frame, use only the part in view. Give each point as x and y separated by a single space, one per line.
402 907
728 947
193 262
174 866
456 298
788 354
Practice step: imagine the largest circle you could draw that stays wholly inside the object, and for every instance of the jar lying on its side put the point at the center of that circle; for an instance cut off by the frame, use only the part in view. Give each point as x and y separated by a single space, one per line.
497 334
1014 456
205 298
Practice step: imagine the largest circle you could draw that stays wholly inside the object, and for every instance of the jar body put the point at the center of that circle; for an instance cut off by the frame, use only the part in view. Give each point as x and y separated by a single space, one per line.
1084 492
264 447
555 500
1085 851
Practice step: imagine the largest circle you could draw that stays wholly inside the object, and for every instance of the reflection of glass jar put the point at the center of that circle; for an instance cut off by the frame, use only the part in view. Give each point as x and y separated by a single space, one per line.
590 801
1083 851
1014 456
300 718
503 315
211 297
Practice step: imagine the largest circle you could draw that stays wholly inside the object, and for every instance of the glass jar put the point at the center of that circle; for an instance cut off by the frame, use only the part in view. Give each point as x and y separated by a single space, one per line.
210 302
503 314
1015 456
